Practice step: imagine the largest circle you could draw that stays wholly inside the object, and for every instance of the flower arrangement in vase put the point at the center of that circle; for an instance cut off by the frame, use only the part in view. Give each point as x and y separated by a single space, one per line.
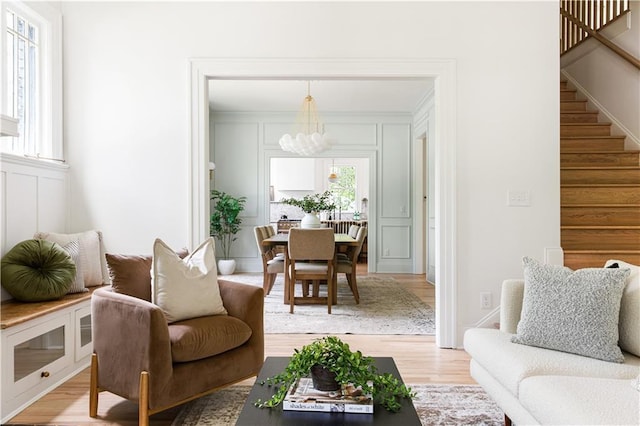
311 205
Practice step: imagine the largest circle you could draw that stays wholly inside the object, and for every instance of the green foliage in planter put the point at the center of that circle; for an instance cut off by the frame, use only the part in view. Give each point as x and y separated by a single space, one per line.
312 203
225 219
349 367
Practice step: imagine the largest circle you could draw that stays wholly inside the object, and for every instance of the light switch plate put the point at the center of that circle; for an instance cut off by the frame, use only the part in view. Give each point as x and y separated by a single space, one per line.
518 199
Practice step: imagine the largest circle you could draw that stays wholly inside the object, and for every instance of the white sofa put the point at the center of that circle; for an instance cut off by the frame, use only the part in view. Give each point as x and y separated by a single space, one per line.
533 385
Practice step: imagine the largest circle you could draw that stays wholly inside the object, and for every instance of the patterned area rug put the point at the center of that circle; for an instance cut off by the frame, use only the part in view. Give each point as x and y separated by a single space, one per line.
435 404
385 308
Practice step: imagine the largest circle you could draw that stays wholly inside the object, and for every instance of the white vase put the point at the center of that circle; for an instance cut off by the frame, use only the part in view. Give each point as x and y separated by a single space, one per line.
310 220
226 266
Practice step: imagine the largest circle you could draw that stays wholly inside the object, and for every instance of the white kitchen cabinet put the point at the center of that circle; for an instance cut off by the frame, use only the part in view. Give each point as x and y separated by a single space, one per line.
293 174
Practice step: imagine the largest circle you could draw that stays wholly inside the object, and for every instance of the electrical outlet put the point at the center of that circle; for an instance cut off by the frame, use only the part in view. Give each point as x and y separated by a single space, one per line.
387 252
485 300
518 198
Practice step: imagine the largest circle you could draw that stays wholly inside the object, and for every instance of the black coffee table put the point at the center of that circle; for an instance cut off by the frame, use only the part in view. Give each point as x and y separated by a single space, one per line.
254 416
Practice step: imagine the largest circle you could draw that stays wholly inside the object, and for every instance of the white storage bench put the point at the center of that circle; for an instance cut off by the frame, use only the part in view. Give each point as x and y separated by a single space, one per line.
43 345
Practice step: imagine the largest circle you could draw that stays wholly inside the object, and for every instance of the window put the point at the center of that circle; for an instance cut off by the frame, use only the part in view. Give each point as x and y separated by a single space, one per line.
344 188
22 70
32 78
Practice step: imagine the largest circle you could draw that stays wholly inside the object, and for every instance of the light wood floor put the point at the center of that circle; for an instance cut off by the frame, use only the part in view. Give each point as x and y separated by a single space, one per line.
417 357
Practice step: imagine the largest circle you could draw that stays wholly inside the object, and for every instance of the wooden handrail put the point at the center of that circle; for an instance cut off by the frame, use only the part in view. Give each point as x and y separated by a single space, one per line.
582 19
605 41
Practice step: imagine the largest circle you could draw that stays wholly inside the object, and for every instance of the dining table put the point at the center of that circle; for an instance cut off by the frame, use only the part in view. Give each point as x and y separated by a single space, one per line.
341 240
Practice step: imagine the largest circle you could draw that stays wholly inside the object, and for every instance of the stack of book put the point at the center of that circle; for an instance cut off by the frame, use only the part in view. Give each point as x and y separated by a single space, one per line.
302 396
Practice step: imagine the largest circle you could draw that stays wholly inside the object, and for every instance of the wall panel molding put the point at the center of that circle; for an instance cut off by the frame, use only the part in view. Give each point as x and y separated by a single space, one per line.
35 197
395 242
352 135
395 177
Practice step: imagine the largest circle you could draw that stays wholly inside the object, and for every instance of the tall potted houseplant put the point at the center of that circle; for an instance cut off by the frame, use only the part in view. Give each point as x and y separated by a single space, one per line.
311 205
224 225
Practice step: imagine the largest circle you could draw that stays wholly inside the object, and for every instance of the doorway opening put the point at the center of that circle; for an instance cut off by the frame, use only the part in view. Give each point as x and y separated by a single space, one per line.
443 71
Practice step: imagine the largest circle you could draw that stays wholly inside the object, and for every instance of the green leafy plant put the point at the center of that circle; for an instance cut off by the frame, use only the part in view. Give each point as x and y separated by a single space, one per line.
312 203
225 219
344 188
350 368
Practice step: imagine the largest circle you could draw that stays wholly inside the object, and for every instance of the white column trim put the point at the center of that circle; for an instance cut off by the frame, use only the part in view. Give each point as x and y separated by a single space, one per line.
199 157
445 206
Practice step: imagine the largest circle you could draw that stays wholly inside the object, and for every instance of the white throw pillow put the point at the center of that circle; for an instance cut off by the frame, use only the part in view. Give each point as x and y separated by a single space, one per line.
93 262
629 326
186 288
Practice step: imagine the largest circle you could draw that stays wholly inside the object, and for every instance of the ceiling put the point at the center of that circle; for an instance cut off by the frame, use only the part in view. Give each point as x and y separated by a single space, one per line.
331 95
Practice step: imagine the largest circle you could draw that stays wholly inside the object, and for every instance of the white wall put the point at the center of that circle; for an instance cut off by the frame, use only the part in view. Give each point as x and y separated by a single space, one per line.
613 82
127 125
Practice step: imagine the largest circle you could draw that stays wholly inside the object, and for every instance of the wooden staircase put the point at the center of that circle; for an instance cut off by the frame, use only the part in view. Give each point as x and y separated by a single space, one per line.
600 189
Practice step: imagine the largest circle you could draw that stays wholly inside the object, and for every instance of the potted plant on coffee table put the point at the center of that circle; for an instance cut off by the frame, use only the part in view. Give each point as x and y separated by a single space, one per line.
330 356
224 225
311 205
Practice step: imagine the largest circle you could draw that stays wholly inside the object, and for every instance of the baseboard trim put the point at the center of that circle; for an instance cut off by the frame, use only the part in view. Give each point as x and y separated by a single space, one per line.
489 320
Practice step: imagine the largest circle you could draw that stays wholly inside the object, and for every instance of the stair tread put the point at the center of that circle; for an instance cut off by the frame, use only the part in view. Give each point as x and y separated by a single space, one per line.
599 167
608 227
601 123
629 151
600 185
604 206
571 137
581 112
602 251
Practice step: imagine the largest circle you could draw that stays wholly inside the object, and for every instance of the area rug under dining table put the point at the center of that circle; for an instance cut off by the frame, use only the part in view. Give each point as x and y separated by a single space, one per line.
385 308
435 404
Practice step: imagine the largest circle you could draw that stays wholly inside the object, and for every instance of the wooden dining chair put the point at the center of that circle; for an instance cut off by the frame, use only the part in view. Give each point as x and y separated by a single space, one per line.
348 265
353 231
272 263
277 250
311 258
342 254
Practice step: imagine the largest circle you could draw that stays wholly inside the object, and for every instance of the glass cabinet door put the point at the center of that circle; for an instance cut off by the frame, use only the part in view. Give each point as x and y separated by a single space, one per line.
39 352
83 340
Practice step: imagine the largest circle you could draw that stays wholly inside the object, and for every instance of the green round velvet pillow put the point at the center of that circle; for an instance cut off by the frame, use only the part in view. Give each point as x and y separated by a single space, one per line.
37 270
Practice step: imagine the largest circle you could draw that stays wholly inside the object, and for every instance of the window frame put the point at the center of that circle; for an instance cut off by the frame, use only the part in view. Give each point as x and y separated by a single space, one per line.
49 141
336 168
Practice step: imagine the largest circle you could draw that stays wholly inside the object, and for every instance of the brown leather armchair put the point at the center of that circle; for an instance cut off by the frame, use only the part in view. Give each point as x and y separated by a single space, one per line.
135 349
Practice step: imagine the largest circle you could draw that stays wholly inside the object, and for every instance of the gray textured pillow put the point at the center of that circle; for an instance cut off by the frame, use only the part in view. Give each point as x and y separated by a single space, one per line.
629 308
572 311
